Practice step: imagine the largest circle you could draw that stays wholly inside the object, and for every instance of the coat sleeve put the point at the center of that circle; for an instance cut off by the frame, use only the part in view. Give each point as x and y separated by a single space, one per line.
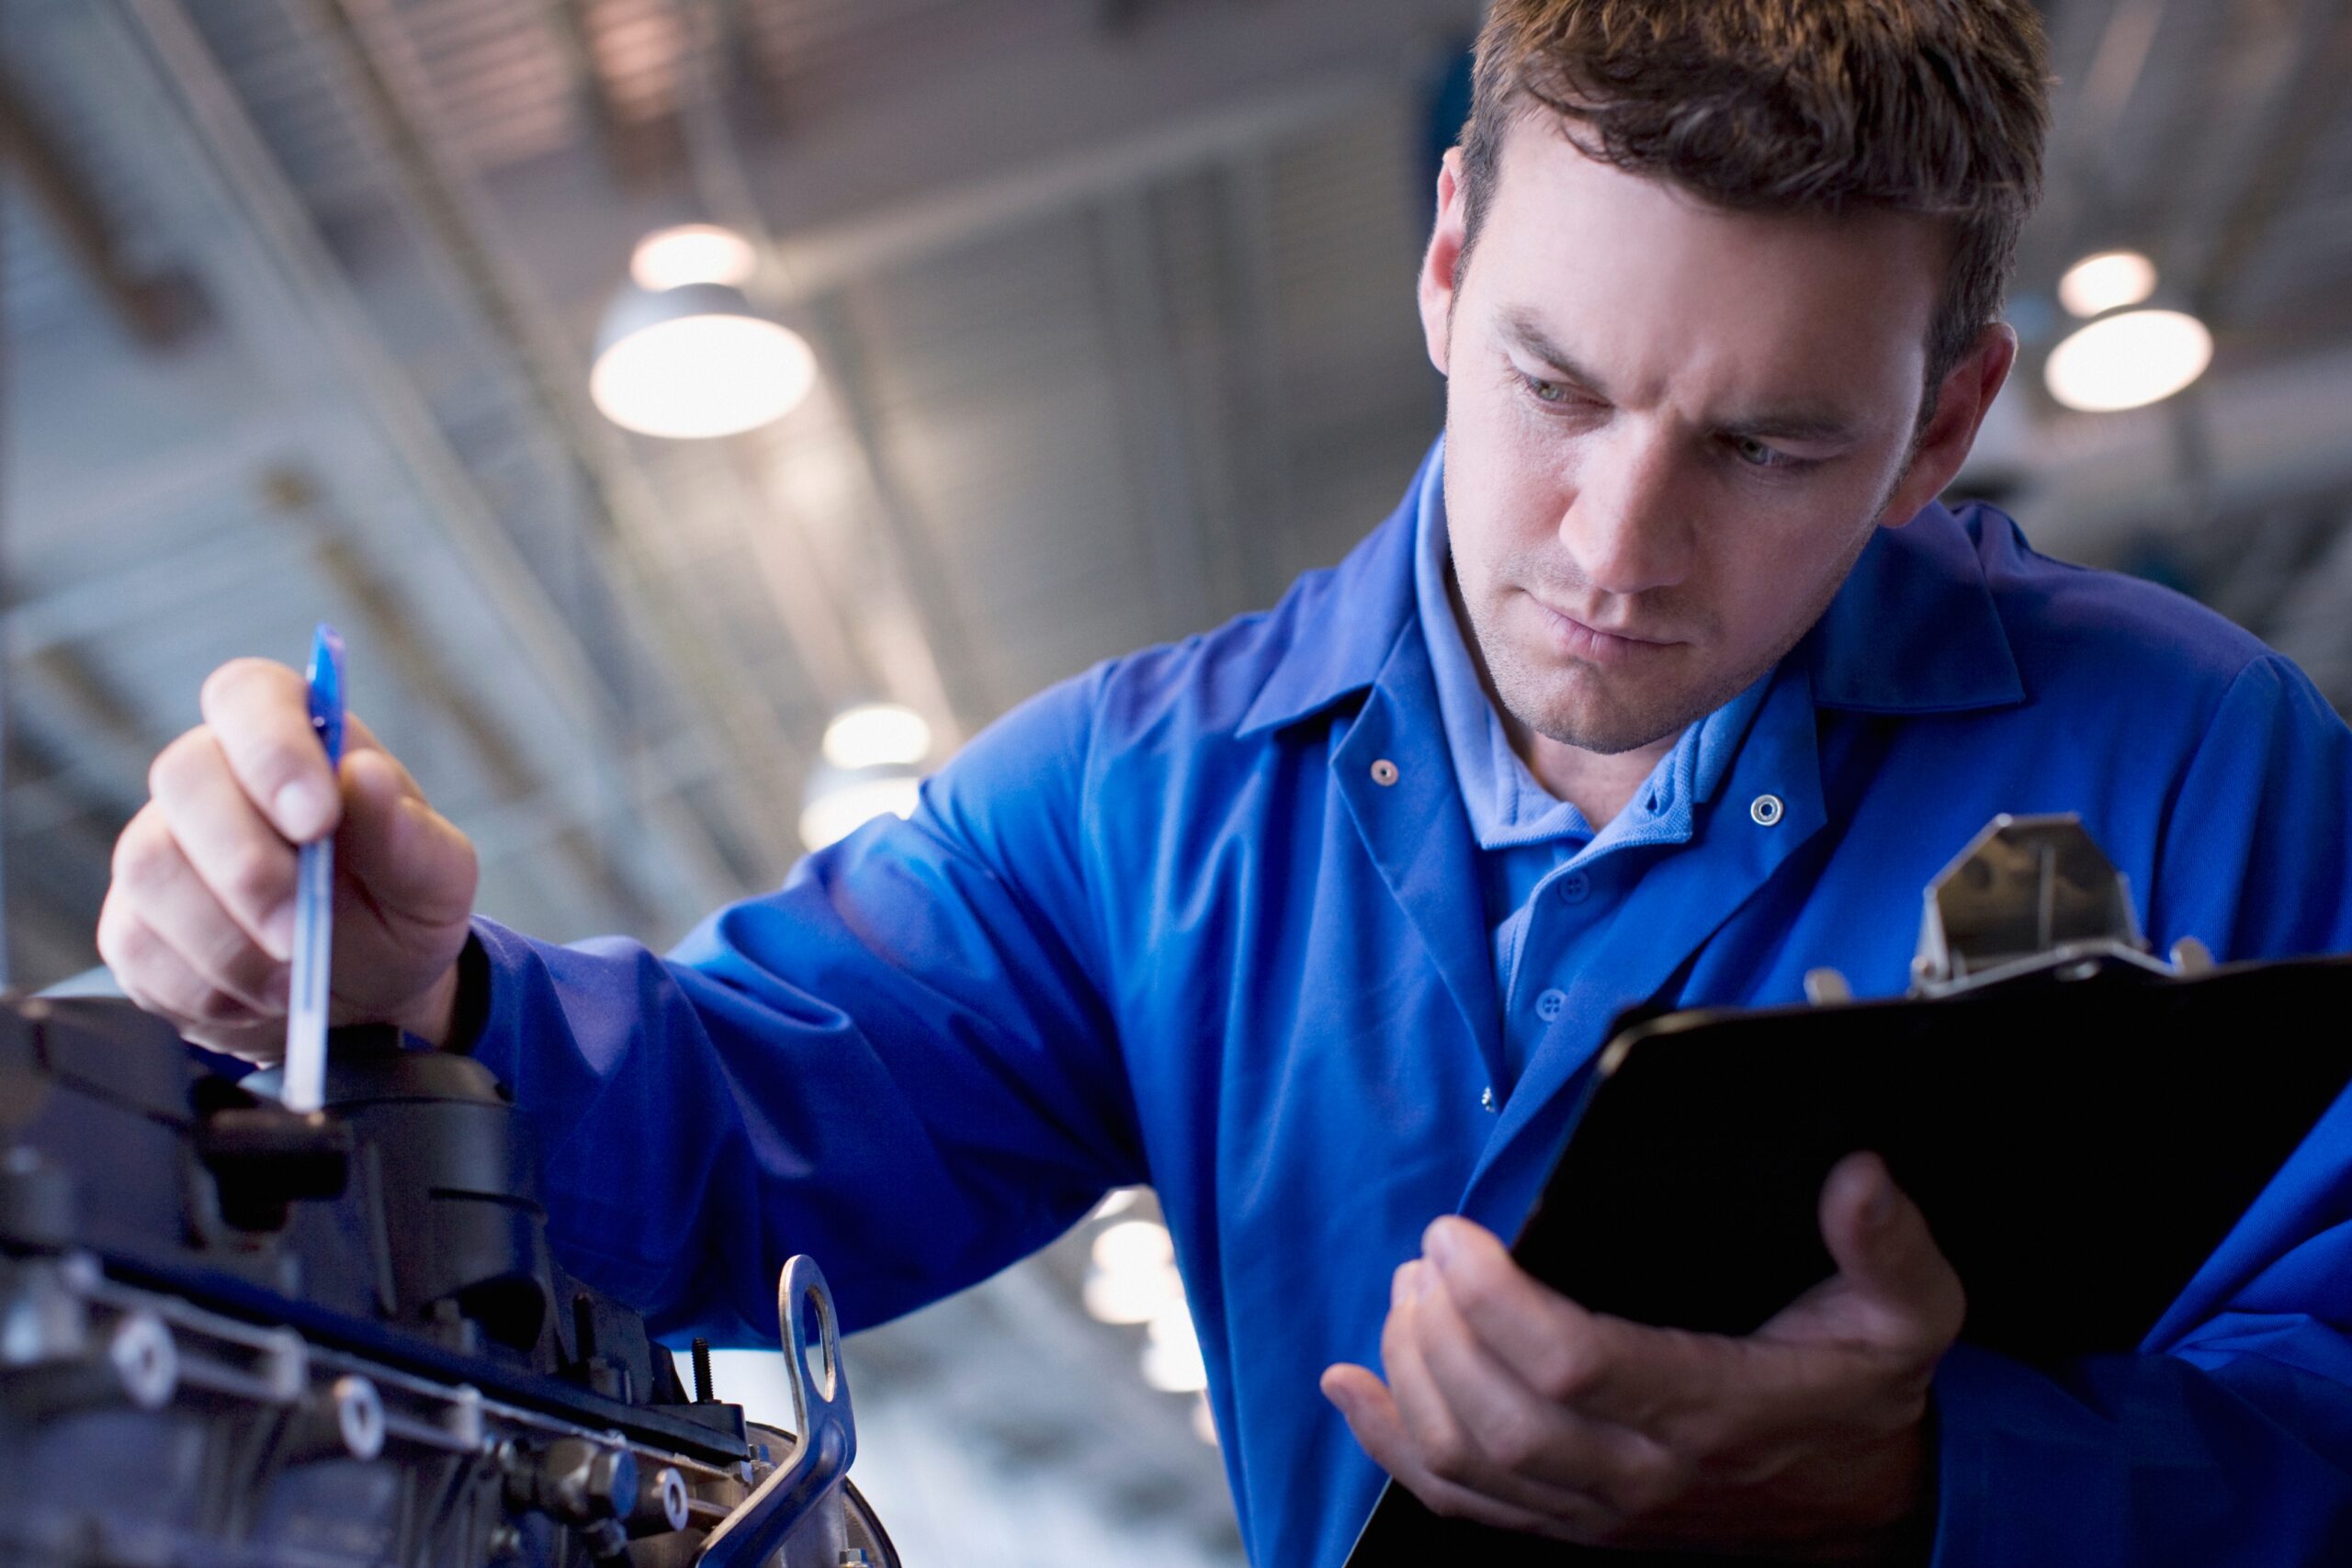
2227 1441
899 1063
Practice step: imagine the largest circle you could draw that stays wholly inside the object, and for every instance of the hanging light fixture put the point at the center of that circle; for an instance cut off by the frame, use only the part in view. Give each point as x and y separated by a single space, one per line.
2108 280
691 253
840 801
683 353
2129 360
2128 352
877 735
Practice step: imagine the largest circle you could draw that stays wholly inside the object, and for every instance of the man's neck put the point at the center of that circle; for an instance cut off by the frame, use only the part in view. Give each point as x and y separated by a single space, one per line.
1599 786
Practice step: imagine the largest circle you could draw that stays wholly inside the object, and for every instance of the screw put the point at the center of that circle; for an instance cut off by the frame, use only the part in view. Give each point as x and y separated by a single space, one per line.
702 1372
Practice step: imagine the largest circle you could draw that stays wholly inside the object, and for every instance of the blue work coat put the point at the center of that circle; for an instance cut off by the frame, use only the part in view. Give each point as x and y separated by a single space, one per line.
1208 917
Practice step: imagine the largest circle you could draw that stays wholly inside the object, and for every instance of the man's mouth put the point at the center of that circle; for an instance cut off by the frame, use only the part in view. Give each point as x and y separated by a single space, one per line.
1599 645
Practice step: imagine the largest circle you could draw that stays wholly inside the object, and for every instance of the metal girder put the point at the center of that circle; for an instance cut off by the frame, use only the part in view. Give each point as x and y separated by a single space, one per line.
698 678
172 119
577 871
913 631
154 310
822 259
635 154
2311 102
1134 305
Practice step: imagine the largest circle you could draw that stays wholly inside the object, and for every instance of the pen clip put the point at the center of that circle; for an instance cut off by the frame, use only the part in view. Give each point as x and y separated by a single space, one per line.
325 677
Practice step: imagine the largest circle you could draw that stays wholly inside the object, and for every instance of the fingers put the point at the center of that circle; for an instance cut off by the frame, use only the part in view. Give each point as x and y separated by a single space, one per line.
1904 1293
1566 1354
156 977
206 825
418 869
1373 1415
157 893
260 713
1477 1424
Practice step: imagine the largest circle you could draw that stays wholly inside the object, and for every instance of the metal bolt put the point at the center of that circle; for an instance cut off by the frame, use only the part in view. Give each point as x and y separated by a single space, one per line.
661 1505
358 1416
146 1359
703 1395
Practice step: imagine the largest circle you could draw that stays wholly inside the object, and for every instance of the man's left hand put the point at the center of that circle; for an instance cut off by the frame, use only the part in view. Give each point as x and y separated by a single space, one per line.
1510 1405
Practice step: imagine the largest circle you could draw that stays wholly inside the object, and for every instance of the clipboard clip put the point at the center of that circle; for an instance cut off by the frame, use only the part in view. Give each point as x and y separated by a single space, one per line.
2034 898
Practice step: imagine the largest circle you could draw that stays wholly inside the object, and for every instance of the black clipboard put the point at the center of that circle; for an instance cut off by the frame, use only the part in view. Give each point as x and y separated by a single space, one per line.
2080 1147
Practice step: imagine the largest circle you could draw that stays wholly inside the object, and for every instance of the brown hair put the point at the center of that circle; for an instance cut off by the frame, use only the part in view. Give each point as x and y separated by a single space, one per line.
1938 107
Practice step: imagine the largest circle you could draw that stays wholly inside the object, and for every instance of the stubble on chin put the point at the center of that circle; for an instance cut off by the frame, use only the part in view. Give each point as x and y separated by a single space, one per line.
1610 711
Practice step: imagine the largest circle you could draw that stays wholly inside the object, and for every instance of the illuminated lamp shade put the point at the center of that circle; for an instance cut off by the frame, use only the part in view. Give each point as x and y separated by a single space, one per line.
691 253
840 802
2129 360
2107 281
877 735
1171 1354
1131 1276
695 362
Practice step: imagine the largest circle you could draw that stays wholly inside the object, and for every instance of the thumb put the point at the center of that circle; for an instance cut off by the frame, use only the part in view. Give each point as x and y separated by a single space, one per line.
1894 1285
411 865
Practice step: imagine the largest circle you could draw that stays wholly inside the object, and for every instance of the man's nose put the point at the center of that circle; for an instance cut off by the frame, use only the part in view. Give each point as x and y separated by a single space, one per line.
1626 528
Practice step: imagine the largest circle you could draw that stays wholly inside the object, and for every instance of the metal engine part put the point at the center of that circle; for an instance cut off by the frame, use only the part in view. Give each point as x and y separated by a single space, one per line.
234 1338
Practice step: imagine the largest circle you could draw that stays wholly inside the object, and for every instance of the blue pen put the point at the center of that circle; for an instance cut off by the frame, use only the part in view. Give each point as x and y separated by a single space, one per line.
306 1018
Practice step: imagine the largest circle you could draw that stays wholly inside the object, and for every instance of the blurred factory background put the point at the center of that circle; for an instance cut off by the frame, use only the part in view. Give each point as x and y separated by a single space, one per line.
1099 313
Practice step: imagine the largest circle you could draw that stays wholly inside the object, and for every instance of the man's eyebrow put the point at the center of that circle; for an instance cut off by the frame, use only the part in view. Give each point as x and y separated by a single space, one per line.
1824 426
1529 334
1806 426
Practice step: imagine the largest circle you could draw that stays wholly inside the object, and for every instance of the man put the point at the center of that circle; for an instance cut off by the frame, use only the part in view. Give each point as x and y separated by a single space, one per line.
1668 682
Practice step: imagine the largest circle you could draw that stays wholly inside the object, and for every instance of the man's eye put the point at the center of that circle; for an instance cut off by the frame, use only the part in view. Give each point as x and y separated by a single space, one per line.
1552 392
1758 455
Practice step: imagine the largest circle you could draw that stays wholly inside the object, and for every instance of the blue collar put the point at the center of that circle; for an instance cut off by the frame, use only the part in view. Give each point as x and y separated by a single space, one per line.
1912 630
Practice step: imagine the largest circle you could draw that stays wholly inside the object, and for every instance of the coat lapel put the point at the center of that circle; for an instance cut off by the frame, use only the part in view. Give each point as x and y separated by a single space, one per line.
1393 770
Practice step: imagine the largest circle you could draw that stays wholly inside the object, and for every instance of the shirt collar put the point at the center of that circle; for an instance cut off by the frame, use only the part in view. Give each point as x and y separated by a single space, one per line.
1914 630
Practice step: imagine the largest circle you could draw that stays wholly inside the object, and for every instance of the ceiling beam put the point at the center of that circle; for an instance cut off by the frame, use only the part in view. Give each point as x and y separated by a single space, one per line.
637 153
171 123
156 310
2311 102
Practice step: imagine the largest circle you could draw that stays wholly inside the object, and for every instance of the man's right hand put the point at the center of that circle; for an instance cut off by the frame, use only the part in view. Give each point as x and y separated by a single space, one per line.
198 922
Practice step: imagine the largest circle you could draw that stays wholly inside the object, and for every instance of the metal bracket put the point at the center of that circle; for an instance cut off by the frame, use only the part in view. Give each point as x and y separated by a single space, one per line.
2033 896
827 1437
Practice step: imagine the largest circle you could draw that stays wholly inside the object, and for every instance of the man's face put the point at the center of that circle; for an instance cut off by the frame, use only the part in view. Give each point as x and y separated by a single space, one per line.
1669 430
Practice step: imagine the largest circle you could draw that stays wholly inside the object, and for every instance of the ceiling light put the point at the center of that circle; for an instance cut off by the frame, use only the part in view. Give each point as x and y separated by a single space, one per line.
2128 360
876 734
1137 1296
840 804
691 253
1134 1246
1116 1202
1172 1355
2107 281
696 361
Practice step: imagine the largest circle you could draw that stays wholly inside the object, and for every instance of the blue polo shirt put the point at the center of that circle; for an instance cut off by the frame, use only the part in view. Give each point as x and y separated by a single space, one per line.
1211 917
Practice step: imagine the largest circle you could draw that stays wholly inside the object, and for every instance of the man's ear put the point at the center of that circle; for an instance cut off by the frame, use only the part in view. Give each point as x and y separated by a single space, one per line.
1435 289
1967 392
